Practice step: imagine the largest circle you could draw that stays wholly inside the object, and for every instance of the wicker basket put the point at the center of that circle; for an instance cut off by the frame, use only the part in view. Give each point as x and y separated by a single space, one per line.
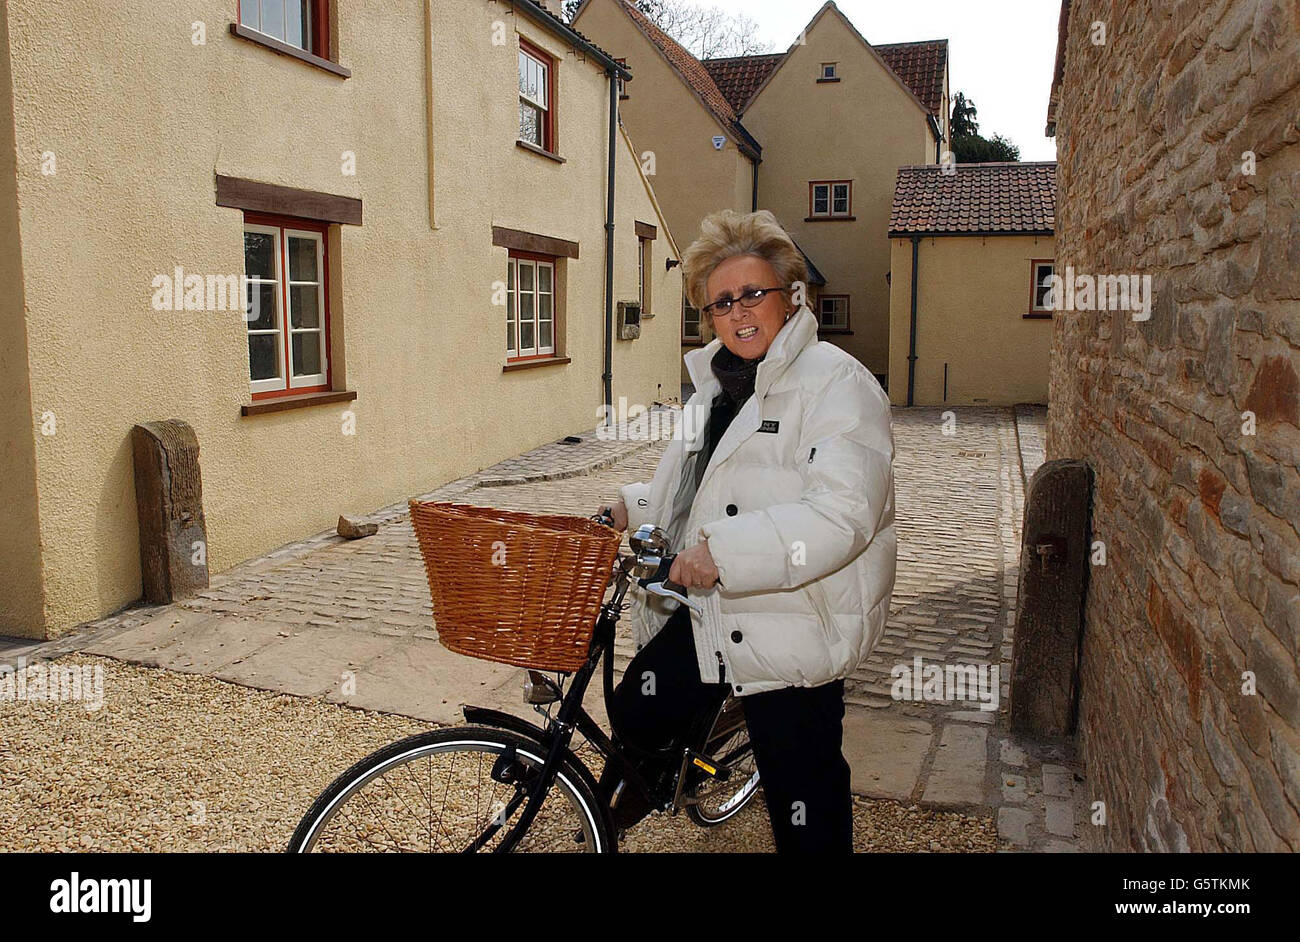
519 588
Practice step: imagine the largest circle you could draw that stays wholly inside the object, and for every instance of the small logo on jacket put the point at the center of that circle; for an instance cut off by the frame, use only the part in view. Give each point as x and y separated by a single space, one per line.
771 425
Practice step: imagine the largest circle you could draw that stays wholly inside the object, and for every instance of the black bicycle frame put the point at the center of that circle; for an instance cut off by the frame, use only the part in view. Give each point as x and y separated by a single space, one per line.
572 716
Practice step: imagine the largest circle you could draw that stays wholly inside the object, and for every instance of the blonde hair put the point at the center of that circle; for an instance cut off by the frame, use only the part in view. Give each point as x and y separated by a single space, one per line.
725 235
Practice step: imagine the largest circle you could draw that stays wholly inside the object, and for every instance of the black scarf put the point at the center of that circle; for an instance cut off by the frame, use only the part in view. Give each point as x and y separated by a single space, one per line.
736 375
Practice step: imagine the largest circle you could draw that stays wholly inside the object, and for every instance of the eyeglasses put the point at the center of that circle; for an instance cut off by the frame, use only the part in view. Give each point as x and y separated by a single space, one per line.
749 299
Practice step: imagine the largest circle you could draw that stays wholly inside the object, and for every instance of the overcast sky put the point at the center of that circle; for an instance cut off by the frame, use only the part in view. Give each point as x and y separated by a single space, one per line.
1001 54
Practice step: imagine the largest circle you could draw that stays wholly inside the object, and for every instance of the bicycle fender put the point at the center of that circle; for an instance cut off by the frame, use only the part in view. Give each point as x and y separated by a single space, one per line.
503 720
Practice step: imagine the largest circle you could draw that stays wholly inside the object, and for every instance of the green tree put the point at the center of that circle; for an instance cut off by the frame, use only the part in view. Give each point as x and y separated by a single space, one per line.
968 145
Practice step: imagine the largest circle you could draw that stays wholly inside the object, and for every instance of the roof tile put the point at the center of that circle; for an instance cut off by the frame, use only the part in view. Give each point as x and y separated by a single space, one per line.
977 198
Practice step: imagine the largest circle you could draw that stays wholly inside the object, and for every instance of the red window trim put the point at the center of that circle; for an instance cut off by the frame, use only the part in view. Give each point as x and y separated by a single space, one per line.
1033 284
830 203
320 31
550 135
553 261
312 225
848 313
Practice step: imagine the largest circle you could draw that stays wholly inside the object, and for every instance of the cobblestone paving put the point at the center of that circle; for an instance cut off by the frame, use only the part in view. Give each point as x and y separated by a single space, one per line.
296 620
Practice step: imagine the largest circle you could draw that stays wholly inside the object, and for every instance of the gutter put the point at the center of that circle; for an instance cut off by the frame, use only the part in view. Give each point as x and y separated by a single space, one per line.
911 343
558 27
612 74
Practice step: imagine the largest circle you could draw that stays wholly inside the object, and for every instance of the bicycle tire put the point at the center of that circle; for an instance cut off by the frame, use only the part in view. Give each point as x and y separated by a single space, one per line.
572 781
709 744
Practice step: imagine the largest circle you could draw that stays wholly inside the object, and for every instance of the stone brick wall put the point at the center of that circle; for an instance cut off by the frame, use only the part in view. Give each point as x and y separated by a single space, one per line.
1199 516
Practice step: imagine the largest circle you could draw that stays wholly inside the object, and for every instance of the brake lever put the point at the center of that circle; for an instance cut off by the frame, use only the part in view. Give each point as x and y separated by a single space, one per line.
659 584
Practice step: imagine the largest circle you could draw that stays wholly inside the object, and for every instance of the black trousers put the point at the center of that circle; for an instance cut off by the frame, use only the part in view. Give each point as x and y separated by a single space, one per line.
796 733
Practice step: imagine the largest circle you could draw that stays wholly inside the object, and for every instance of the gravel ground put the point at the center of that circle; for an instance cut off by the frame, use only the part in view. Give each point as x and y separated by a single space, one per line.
182 762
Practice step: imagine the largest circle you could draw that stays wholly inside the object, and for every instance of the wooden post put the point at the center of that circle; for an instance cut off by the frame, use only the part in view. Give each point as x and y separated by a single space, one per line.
169 503
1054 561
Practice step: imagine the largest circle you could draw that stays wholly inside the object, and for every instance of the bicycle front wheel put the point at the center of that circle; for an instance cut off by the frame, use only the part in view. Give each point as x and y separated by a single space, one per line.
456 790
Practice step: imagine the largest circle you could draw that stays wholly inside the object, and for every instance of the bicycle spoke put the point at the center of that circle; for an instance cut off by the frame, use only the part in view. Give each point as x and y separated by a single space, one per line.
385 809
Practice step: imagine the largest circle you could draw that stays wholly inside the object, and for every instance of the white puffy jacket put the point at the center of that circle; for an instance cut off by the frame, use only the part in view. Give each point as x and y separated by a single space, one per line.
797 505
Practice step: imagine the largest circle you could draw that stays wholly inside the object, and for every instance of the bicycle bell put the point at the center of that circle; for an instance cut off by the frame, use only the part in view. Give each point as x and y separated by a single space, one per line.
650 543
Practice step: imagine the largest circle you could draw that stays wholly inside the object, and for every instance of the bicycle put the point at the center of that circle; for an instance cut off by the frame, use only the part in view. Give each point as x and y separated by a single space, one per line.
541 796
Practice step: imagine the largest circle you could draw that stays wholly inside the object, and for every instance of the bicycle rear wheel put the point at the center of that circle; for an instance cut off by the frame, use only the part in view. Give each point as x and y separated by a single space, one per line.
714 801
454 790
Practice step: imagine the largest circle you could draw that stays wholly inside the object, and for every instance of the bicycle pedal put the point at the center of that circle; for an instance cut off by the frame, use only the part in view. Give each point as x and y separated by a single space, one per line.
707 764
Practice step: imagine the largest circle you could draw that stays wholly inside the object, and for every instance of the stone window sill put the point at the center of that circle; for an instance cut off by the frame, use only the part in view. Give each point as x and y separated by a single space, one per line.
270 42
533 364
283 403
539 151
830 219
1038 316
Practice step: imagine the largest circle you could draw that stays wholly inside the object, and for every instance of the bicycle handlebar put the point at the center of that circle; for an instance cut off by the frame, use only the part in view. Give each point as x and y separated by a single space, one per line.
657 583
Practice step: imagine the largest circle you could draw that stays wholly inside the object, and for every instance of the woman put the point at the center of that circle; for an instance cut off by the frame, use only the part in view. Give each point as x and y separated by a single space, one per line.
782 508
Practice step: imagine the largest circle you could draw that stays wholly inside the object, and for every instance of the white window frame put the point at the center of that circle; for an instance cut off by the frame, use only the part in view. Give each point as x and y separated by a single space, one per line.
699 319
830 189
1035 308
830 70
821 312
286 379
541 101
308 27
306 379
277 382
514 310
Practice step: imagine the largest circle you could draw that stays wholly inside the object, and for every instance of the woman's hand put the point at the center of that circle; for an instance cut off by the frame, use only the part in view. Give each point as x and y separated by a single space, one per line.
694 568
617 511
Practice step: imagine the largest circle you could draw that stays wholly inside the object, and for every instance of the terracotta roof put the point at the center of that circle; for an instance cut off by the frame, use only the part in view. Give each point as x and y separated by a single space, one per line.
695 75
738 77
921 66
1001 198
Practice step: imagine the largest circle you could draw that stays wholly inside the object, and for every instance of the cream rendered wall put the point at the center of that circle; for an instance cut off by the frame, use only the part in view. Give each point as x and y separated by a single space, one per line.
640 373
972 298
21 583
862 128
664 117
139 137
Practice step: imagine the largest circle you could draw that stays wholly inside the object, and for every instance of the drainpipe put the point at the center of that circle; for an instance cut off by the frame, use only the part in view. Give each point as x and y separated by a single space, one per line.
608 375
753 198
911 345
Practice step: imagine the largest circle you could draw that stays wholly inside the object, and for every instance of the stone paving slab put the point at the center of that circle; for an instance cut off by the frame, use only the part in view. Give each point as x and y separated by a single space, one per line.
956 781
885 751
421 678
309 663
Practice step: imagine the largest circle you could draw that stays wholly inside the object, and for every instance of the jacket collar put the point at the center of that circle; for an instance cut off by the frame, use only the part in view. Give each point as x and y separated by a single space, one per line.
795 335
